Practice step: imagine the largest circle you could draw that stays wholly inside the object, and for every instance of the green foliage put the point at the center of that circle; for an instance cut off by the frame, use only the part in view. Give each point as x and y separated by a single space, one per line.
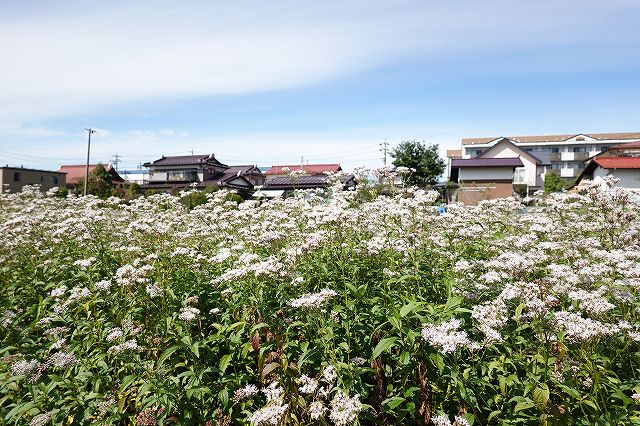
554 183
520 189
100 183
193 199
86 278
424 159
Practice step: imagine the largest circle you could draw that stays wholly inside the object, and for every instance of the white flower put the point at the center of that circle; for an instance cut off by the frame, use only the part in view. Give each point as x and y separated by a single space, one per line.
24 368
313 300
114 334
245 393
330 374
189 313
129 345
214 311
344 410
309 385
446 336
154 291
317 410
41 419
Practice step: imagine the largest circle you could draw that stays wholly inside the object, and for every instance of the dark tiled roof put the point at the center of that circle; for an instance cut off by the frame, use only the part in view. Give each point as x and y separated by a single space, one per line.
487 162
184 160
312 169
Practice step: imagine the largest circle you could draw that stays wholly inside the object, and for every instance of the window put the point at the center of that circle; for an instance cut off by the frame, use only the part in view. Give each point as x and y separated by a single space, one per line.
579 149
574 165
55 180
519 175
41 179
555 166
16 176
555 150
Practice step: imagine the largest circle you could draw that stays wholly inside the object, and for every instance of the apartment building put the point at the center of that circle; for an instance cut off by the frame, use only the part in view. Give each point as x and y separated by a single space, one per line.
562 154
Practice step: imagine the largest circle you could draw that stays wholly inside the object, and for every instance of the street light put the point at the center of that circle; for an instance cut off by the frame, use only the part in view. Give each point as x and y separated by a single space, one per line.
86 170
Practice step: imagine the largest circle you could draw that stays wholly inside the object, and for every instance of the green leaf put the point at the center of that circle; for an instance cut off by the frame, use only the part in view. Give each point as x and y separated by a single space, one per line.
382 346
408 308
393 402
167 353
523 404
224 363
541 396
19 409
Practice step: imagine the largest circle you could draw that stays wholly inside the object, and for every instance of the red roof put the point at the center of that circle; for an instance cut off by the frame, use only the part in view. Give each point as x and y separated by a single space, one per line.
626 145
312 169
75 172
618 162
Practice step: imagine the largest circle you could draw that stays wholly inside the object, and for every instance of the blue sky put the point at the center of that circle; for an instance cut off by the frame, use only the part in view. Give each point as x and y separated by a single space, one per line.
270 82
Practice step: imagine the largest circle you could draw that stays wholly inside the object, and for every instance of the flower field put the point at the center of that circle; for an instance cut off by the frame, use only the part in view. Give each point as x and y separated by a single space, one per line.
332 310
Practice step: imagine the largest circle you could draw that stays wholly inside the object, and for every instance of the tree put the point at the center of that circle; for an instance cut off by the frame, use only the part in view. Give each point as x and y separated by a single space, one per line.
554 183
422 158
100 182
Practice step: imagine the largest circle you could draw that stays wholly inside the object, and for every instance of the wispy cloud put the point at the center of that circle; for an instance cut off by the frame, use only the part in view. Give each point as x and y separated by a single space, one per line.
79 56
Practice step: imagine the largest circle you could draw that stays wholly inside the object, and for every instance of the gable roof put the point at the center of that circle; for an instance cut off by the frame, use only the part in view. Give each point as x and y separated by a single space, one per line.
521 152
302 182
312 169
76 172
487 162
618 162
554 138
185 160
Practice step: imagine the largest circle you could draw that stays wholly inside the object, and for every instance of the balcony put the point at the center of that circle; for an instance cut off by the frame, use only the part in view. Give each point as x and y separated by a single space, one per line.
568 173
554 156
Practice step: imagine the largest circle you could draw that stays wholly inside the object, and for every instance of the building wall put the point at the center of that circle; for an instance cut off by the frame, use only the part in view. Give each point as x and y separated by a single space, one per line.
629 178
490 174
472 193
530 175
12 179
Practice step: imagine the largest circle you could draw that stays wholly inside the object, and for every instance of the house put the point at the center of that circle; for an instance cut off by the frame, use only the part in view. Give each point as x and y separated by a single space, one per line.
533 168
199 171
483 178
281 180
621 161
561 154
76 172
12 179
302 169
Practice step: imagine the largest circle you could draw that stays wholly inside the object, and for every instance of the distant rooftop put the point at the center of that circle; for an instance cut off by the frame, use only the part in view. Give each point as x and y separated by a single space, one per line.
554 138
184 160
312 169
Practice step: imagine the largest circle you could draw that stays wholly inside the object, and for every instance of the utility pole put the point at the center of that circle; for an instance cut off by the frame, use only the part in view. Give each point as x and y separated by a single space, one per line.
116 160
383 149
86 170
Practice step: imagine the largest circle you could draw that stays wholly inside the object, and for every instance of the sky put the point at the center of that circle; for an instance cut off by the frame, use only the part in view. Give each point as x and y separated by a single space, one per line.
284 81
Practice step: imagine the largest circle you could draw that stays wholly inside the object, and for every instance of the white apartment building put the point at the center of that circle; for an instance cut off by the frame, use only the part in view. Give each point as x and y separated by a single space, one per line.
562 154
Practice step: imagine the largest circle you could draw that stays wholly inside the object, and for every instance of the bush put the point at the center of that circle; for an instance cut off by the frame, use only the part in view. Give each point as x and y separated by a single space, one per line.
520 189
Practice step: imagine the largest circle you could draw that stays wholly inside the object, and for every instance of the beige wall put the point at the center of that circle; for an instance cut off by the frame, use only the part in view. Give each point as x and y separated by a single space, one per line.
46 179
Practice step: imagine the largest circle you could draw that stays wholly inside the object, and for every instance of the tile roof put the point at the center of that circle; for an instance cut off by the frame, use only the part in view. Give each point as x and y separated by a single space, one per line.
312 169
618 162
454 153
487 162
554 138
184 160
76 171
635 144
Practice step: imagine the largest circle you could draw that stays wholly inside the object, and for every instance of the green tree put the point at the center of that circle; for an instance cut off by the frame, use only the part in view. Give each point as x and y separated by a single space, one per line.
100 182
424 159
554 183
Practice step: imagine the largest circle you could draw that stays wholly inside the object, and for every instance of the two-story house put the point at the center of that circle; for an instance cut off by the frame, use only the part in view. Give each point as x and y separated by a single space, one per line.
174 173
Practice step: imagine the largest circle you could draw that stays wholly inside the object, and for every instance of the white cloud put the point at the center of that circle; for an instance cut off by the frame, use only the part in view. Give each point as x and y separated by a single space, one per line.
65 58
